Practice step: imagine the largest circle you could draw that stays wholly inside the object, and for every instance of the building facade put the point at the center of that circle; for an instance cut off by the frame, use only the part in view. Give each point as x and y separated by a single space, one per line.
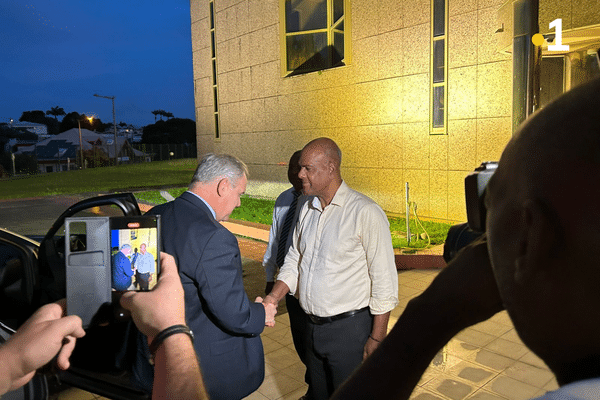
413 91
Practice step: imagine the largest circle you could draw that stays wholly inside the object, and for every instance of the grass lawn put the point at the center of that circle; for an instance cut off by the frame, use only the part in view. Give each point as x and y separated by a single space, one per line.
261 210
176 175
122 177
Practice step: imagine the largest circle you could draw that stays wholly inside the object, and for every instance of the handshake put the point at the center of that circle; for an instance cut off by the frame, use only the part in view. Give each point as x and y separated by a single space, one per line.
270 311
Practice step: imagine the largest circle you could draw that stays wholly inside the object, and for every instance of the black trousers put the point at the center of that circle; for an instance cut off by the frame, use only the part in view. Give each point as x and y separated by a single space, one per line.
333 351
143 280
298 325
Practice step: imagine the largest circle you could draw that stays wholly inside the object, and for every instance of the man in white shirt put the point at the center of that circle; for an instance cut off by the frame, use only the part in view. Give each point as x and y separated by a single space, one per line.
341 267
540 262
145 267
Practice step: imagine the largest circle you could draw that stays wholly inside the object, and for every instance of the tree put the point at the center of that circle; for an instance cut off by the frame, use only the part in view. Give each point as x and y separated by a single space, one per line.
39 117
35 116
162 113
70 122
175 130
56 111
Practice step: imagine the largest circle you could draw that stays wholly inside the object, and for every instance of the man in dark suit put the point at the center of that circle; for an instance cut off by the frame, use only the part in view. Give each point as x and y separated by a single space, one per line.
226 324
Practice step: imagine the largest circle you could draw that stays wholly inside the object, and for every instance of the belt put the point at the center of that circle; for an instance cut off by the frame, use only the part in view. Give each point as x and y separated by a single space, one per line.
324 320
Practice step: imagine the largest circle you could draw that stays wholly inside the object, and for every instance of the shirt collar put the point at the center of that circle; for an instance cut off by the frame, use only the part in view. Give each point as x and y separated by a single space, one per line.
338 199
207 205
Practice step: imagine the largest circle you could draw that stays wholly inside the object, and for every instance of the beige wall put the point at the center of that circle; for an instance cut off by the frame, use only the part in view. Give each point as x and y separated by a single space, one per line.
377 108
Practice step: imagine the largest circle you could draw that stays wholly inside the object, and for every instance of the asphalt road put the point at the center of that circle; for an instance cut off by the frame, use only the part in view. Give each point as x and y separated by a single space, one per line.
33 216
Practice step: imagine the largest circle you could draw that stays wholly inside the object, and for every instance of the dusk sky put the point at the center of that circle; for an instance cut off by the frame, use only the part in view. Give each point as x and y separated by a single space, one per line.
62 52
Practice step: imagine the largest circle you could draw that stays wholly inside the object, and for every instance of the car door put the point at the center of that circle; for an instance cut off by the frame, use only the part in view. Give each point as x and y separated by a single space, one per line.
31 276
18 282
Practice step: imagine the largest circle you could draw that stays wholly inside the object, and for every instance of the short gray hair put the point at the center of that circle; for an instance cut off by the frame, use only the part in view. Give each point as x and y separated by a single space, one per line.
125 246
213 166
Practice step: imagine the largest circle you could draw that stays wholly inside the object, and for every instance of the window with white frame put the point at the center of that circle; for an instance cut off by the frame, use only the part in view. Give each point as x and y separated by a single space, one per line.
315 35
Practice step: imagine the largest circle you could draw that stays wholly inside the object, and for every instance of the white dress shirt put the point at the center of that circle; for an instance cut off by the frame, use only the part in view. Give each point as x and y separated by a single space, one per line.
342 257
282 205
145 263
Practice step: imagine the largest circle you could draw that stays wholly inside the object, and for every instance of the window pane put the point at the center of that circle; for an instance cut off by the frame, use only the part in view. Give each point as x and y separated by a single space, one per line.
438 107
585 70
214 71
212 16
439 17
217 133
438 61
215 98
305 52
338 9
551 79
338 45
212 43
305 15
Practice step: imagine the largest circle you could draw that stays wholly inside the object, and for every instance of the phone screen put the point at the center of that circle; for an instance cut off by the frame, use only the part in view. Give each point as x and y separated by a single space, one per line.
135 249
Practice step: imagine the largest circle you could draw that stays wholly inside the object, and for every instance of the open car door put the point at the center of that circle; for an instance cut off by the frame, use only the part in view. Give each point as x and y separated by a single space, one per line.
33 274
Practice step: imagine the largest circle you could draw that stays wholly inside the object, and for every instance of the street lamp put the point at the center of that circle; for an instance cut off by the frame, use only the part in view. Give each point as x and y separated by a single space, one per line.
80 141
114 123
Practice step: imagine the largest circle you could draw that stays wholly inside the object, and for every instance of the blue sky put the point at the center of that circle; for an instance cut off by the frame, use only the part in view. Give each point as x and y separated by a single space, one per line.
61 52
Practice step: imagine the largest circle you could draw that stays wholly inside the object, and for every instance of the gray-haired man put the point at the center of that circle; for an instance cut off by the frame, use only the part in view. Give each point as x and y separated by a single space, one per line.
208 256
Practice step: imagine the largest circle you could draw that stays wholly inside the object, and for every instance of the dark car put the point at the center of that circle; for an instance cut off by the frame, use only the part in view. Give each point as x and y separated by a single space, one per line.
32 273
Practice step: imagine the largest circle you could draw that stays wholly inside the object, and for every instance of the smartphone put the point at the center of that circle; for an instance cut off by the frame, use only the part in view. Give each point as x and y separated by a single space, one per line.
135 251
106 256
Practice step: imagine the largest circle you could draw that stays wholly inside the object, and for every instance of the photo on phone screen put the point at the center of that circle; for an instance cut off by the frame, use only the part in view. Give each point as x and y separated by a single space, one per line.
135 248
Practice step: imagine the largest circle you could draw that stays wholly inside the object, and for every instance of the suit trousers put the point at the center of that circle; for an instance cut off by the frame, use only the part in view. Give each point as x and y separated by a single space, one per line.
333 351
298 325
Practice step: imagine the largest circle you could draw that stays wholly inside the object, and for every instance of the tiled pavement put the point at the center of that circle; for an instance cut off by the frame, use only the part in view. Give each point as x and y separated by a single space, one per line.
487 361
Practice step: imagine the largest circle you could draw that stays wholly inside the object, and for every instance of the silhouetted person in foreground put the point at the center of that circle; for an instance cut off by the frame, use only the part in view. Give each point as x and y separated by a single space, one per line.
540 262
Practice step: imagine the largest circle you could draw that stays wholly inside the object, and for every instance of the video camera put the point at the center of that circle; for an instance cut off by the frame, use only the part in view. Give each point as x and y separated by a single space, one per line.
475 188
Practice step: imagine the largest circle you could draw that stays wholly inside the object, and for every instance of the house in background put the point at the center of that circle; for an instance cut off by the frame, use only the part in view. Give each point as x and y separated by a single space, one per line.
61 152
413 91
39 129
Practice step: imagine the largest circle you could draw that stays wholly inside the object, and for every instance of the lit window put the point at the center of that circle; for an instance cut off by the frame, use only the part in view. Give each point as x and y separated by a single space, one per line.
439 75
314 35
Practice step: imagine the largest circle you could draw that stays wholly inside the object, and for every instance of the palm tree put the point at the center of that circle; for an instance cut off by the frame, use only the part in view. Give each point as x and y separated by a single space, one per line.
156 112
56 111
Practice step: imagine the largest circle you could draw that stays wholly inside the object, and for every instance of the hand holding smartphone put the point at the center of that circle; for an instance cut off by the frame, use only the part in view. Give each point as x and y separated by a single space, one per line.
105 257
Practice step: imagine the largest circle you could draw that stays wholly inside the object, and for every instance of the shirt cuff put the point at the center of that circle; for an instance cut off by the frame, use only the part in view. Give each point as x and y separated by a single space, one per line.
381 306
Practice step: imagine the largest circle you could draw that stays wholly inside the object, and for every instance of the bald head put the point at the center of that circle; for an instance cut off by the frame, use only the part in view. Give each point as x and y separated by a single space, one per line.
328 148
555 156
320 169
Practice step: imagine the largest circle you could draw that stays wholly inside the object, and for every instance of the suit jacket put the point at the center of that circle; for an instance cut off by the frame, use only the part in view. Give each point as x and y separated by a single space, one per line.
225 323
121 271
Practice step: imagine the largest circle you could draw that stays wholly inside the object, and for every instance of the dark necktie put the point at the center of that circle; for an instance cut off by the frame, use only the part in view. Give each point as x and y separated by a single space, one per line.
285 230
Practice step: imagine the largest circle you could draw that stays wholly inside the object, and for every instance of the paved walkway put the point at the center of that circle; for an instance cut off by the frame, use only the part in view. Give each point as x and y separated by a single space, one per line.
487 361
